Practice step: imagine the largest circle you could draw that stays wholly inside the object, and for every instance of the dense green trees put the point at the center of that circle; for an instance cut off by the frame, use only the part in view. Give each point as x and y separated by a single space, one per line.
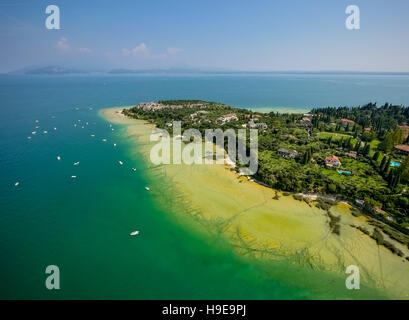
392 138
380 184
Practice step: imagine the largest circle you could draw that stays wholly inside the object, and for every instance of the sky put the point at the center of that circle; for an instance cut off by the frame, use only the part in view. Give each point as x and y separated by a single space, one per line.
262 35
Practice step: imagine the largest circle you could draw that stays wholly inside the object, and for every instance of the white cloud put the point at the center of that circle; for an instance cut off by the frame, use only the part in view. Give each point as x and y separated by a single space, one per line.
142 51
63 45
139 49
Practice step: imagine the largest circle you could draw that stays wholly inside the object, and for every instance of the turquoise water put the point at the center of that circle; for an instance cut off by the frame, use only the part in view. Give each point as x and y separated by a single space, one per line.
82 225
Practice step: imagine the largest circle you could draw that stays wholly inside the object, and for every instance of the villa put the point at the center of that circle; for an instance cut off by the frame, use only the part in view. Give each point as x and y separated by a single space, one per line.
228 117
332 161
306 121
346 122
404 148
262 126
287 153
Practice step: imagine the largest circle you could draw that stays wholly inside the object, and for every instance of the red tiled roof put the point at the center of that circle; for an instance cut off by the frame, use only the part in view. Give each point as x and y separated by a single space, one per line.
402 147
347 120
332 158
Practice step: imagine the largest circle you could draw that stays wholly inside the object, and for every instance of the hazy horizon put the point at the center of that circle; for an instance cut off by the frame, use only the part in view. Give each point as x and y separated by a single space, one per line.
233 36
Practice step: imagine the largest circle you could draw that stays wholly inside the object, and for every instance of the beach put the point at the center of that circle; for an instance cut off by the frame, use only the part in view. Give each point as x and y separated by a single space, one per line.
260 227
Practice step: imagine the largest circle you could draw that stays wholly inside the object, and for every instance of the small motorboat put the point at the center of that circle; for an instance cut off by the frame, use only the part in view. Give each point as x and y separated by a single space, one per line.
58 158
104 140
16 184
134 233
55 128
34 132
76 163
133 169
147 188
45 131
73 177
120 162
114 144
28 137
93 135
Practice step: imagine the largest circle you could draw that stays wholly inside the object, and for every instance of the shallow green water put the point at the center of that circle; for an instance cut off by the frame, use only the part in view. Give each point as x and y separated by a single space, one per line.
82 225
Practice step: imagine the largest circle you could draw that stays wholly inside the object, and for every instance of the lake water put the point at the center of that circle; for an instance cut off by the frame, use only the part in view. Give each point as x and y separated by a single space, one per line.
82 225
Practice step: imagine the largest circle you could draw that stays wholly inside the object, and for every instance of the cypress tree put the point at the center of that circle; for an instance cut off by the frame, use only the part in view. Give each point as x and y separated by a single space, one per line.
376 156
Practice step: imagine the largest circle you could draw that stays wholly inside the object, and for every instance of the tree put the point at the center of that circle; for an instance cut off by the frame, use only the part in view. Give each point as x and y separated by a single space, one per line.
376 156
405 169
384 160
367 149
392 138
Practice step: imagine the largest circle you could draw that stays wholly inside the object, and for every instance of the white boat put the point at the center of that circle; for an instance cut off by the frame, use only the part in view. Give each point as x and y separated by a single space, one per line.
104 140
134 169
147 188
121 163
92 135
73 177
55 128
58 158
29 137
34 132
16 184
114 144
45 131
134 233
76 163
37 121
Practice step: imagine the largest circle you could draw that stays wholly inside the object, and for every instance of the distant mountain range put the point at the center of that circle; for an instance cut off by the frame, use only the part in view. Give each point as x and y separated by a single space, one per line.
48 70
59 70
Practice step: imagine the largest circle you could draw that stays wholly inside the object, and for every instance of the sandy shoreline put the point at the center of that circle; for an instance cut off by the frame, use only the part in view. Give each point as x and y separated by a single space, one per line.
246 214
